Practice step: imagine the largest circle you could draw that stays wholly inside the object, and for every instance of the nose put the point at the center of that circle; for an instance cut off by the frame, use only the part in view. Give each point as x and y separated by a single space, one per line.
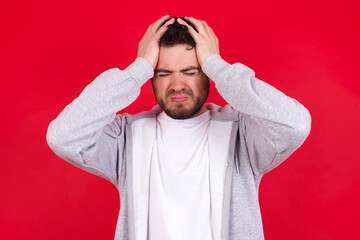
178 81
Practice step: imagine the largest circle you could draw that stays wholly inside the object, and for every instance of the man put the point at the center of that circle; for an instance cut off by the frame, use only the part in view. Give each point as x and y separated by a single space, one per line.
184 170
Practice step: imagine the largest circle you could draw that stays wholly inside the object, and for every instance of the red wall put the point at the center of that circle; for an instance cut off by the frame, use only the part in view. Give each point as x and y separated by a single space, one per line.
50 50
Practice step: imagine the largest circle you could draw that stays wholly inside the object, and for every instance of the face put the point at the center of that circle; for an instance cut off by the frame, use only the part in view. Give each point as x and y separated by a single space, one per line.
180 87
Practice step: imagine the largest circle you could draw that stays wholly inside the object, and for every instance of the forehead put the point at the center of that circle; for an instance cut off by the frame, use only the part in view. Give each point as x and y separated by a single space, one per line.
177 57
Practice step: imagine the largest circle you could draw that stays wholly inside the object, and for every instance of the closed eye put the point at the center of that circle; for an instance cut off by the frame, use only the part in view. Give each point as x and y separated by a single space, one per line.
189 74
163 75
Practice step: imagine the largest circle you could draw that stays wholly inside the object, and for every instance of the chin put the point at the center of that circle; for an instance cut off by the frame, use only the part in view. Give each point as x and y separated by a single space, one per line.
180 112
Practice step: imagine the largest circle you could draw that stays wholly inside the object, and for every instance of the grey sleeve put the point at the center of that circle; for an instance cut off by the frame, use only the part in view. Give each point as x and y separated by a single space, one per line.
88 133
274 124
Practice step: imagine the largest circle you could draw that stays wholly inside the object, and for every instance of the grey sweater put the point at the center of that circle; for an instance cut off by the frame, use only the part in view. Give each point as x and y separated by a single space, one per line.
257 131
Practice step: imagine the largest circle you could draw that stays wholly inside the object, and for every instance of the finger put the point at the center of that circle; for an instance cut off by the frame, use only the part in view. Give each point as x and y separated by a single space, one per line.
213 37
192 31
200 26
155 26
163 28
211 33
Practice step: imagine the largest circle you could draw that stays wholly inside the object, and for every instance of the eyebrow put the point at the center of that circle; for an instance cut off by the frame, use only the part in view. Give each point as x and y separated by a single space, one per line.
163 70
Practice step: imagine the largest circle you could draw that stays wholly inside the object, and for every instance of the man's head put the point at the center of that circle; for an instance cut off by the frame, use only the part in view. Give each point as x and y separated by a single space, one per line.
180 87
177 34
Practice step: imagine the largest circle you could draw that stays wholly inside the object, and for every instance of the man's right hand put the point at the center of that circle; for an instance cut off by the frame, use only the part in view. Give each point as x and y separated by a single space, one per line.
149 47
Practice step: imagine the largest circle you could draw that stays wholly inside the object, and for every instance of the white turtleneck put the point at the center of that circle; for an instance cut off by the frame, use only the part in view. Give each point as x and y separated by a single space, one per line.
179 205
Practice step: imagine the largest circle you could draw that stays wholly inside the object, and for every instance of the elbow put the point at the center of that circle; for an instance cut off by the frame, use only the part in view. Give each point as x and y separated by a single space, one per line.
53 138
58 143
303 126
302 121
307 123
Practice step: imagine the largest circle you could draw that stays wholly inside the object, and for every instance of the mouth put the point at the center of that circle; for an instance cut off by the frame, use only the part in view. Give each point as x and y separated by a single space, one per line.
179 98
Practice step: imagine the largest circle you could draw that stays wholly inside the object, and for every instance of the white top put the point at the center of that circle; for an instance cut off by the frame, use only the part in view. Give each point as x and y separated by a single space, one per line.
179 205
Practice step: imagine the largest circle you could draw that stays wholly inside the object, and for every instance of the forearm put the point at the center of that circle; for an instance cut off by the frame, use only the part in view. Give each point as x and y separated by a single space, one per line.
75 127
273 124
238 86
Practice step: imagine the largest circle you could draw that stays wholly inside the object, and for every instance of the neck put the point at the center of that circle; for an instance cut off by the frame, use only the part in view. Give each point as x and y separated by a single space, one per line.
201 111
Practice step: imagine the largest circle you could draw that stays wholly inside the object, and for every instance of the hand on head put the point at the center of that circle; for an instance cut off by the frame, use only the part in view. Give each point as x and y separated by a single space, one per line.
149 45
206 41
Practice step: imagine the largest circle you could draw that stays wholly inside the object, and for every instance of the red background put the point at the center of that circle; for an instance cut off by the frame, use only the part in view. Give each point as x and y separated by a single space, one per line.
50 50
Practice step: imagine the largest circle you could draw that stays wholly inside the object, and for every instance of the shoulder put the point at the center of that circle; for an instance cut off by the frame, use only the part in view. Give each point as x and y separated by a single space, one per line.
226 113
132 118
122 121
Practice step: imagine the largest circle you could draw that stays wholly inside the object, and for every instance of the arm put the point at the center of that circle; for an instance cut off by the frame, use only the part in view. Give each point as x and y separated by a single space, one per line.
88 133
273 124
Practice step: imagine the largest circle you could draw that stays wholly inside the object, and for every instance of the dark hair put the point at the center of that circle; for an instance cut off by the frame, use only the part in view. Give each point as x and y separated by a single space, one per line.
177 34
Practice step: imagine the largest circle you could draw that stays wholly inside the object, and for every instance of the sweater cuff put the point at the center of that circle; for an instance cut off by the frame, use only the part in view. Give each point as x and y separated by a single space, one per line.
141 70
213 65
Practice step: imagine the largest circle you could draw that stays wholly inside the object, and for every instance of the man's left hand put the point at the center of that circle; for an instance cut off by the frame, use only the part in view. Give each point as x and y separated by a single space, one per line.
206 41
